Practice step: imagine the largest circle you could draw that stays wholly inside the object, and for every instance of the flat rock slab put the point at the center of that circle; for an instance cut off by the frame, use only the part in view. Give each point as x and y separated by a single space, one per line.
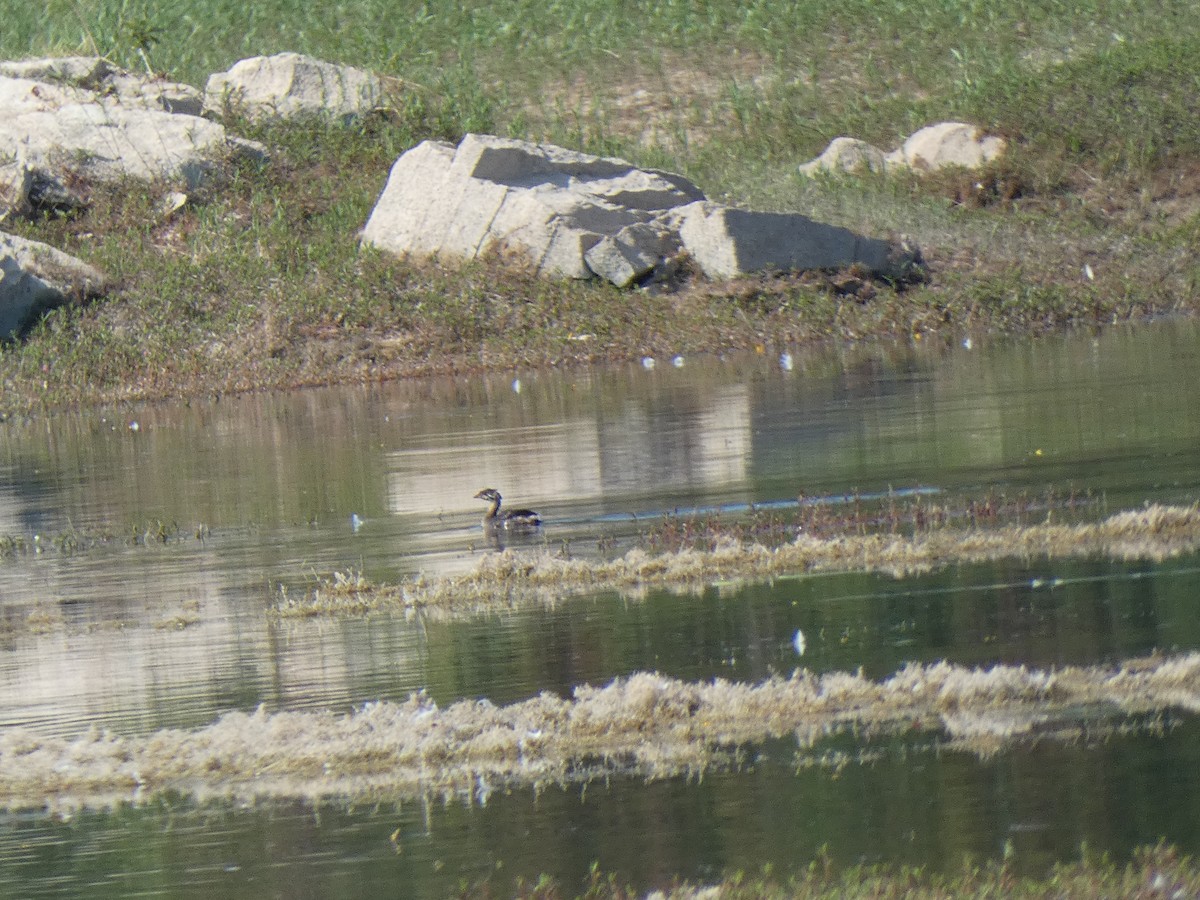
81 78
107 143
581 216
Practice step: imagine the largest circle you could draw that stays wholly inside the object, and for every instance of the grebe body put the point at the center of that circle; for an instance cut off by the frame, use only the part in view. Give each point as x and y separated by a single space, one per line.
510 518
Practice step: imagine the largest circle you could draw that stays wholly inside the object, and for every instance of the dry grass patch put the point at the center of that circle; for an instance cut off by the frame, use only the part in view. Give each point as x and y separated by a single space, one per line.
646 725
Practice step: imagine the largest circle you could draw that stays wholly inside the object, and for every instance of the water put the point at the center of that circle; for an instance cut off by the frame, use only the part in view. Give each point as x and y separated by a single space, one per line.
253 493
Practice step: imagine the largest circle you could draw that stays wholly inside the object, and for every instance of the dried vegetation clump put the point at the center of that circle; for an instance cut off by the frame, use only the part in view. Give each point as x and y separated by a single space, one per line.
514 577
646 725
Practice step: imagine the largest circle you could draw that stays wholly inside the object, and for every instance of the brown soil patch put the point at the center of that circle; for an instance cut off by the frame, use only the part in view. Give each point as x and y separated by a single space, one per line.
670 104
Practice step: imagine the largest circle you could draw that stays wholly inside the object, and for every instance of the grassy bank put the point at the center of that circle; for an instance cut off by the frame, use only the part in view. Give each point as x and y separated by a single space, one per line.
260 282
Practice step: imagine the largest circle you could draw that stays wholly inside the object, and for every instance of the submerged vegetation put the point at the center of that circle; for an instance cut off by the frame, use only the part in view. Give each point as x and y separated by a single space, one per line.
258 282
825 517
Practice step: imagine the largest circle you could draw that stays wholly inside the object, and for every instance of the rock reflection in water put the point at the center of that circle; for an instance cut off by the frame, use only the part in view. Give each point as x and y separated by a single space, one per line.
685 442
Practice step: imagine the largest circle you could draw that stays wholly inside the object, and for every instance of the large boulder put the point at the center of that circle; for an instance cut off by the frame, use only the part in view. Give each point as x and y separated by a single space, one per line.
290 85
35 277
99 142
576 215
78 120
554 207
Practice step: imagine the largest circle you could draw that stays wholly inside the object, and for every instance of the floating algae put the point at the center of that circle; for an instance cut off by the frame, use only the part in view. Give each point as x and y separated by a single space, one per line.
512 578
645 725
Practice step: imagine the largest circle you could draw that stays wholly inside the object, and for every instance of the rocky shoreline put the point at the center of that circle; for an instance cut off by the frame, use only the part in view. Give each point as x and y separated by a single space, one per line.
74 123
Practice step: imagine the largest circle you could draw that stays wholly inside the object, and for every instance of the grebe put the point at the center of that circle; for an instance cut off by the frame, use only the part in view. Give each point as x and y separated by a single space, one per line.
513 518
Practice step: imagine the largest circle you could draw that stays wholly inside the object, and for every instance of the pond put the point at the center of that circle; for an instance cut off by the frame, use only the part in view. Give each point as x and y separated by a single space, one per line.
147 545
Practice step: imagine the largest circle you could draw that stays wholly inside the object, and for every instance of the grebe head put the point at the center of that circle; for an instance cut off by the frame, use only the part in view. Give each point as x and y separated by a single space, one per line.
489 494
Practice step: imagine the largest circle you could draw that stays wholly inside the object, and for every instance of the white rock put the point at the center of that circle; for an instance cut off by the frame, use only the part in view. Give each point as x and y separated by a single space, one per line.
947 144
291 85
72 79
930 148
727 242
551 205
171 203
108 143
78 118
35 277
155 93
16 182
21 95
629 255
76 70
847 154
575 215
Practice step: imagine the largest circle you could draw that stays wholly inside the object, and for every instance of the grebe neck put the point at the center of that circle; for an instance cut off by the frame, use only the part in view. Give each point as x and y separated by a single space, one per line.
493 511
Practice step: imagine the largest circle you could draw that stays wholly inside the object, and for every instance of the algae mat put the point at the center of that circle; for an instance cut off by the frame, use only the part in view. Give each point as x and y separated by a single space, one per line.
644 725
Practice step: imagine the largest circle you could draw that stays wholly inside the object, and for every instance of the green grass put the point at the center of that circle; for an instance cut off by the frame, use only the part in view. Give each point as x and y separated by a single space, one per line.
260 282
785 76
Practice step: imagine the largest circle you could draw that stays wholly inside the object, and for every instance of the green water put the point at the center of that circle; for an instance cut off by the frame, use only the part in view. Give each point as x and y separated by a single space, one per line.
270 484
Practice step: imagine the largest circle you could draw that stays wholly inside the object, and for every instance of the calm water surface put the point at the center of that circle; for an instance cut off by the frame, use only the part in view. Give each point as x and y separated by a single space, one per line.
272 484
